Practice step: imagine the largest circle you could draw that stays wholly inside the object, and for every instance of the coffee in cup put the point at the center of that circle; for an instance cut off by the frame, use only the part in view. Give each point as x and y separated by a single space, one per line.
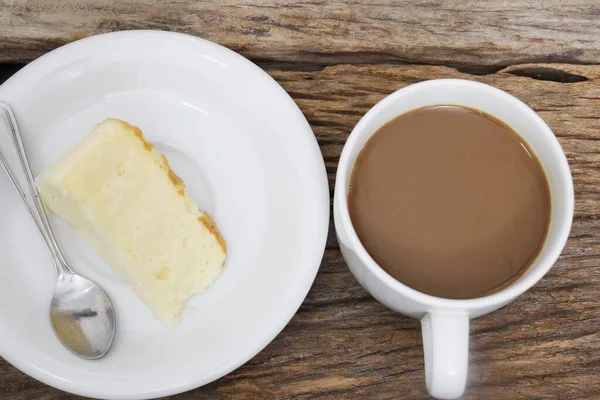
449 201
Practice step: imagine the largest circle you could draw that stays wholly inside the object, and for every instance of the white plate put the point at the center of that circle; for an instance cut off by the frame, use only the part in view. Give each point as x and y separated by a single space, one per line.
247 155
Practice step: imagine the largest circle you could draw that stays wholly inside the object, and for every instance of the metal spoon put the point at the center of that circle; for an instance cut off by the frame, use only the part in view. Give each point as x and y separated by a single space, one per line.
81 313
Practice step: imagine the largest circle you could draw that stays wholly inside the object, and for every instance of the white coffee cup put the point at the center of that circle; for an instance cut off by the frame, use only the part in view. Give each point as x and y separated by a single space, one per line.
445 322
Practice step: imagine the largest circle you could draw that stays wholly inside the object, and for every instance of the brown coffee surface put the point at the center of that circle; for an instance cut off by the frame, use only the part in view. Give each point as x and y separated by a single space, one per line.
449 201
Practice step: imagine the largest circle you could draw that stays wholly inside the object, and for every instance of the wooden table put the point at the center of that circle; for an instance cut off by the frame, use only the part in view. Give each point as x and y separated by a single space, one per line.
337 59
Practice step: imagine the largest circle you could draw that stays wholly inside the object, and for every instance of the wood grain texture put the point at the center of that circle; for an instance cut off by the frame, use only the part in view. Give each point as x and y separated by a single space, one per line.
337 59
468 32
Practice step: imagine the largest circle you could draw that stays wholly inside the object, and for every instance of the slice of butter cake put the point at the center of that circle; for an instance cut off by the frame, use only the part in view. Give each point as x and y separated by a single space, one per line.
123 197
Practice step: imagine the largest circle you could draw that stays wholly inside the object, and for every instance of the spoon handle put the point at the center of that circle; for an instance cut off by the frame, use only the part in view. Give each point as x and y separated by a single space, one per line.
36 210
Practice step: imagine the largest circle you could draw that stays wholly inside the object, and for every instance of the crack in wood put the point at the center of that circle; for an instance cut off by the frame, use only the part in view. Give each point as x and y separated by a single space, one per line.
478 69
548 74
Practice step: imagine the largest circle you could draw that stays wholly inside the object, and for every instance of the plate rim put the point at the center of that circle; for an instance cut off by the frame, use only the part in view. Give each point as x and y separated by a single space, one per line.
321 231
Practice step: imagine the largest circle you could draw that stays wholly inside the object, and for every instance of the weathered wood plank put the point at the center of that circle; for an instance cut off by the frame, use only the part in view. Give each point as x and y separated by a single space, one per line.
471 32
343 344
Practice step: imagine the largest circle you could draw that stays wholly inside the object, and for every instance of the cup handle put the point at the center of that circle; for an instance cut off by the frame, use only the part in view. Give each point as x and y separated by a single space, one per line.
446 351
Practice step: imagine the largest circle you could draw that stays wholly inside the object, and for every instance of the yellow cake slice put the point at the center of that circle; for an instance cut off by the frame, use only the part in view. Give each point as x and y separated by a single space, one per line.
123 197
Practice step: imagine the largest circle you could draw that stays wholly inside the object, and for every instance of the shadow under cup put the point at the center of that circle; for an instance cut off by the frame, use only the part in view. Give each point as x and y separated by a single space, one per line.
446 373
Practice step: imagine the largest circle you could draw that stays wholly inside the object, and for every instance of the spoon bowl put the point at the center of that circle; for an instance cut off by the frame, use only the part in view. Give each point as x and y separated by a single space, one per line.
82 316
